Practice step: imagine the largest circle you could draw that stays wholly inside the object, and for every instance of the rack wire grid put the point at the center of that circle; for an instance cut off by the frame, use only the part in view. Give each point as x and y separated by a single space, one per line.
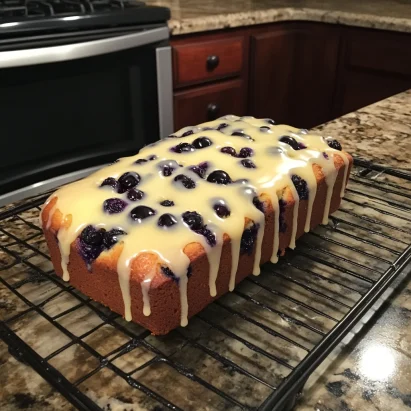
254 348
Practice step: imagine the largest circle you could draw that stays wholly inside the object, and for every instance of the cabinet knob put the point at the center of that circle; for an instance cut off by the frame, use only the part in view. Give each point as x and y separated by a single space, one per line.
212 111
212 62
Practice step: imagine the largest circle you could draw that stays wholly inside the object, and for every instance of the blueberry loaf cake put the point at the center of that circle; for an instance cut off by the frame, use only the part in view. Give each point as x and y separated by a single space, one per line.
158 236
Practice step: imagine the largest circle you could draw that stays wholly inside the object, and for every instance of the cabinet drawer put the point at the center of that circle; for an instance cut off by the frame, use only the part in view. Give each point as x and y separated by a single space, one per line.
200 62
208 103
379 50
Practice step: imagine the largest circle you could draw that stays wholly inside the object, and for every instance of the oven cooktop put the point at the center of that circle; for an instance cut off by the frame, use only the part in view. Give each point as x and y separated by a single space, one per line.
29 16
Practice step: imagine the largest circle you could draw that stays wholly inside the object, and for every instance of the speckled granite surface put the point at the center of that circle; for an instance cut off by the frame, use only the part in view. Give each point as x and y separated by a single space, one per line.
369 372
190 16
380 132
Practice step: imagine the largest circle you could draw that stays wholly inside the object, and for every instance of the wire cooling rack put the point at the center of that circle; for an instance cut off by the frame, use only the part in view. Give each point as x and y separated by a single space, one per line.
252 349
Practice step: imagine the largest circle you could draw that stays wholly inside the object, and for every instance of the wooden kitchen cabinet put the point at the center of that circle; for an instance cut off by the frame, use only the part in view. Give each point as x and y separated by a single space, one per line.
293 69
210 76
207 103
298 73
373 65
204 61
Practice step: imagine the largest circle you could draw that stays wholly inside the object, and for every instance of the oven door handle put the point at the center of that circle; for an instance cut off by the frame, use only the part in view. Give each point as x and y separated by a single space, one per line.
66 52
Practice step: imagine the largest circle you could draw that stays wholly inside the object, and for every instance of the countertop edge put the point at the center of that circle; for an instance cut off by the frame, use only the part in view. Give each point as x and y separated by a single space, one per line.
251 18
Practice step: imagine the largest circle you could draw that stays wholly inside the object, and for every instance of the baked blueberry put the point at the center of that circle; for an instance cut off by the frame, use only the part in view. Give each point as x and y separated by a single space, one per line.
166 220
204 165
229 150
264 129
199 171
334 144
219 177
167 167
141 212
248 239
111 237
301 186
187 133
110 182
283 224
270 121
183 148
91 236
221 126
193 220
128 180
114 205
89 252
134 194
169 273
248 163
167 203
259 204
245 152
187 182
90 244
152 157
325 155
202 142
167 171
239 133
291 141
209 236
140 161
221 210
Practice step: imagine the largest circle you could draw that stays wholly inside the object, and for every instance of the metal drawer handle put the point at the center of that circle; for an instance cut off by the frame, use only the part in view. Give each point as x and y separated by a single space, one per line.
212 111
212 62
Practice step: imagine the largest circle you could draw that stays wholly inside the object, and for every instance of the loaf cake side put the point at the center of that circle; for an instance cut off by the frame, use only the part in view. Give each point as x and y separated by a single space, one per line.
99 278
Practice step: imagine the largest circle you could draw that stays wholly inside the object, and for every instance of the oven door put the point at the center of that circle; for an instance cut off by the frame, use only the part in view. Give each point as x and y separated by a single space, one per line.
67 109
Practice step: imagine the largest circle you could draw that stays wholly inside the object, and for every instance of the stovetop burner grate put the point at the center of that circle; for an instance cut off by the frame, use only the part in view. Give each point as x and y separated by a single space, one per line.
252 349
57 8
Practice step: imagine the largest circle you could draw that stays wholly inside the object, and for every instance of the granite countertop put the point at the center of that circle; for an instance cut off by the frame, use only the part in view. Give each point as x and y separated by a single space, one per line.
370 371
190 16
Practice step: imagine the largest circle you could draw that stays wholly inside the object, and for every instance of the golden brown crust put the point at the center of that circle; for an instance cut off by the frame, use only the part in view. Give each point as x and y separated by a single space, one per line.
102 284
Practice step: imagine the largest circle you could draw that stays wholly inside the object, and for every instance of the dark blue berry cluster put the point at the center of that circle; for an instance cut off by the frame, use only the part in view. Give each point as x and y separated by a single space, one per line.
248 239
169 273
301 186
292 142
283 224
196 224
244 152
334 144
198 143
126 182
92 242
200 169
145 160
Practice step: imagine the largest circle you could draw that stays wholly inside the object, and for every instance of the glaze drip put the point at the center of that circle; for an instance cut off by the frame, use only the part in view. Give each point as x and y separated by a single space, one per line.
233 161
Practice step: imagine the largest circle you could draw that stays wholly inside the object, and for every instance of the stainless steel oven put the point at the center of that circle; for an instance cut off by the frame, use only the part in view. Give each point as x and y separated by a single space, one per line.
75 97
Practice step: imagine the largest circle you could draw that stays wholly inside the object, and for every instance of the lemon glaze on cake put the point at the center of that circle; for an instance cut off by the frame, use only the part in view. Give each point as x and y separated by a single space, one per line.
198 186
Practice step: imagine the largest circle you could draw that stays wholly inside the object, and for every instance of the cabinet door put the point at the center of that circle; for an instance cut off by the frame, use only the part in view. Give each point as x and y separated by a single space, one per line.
207 103
374 65
293 72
